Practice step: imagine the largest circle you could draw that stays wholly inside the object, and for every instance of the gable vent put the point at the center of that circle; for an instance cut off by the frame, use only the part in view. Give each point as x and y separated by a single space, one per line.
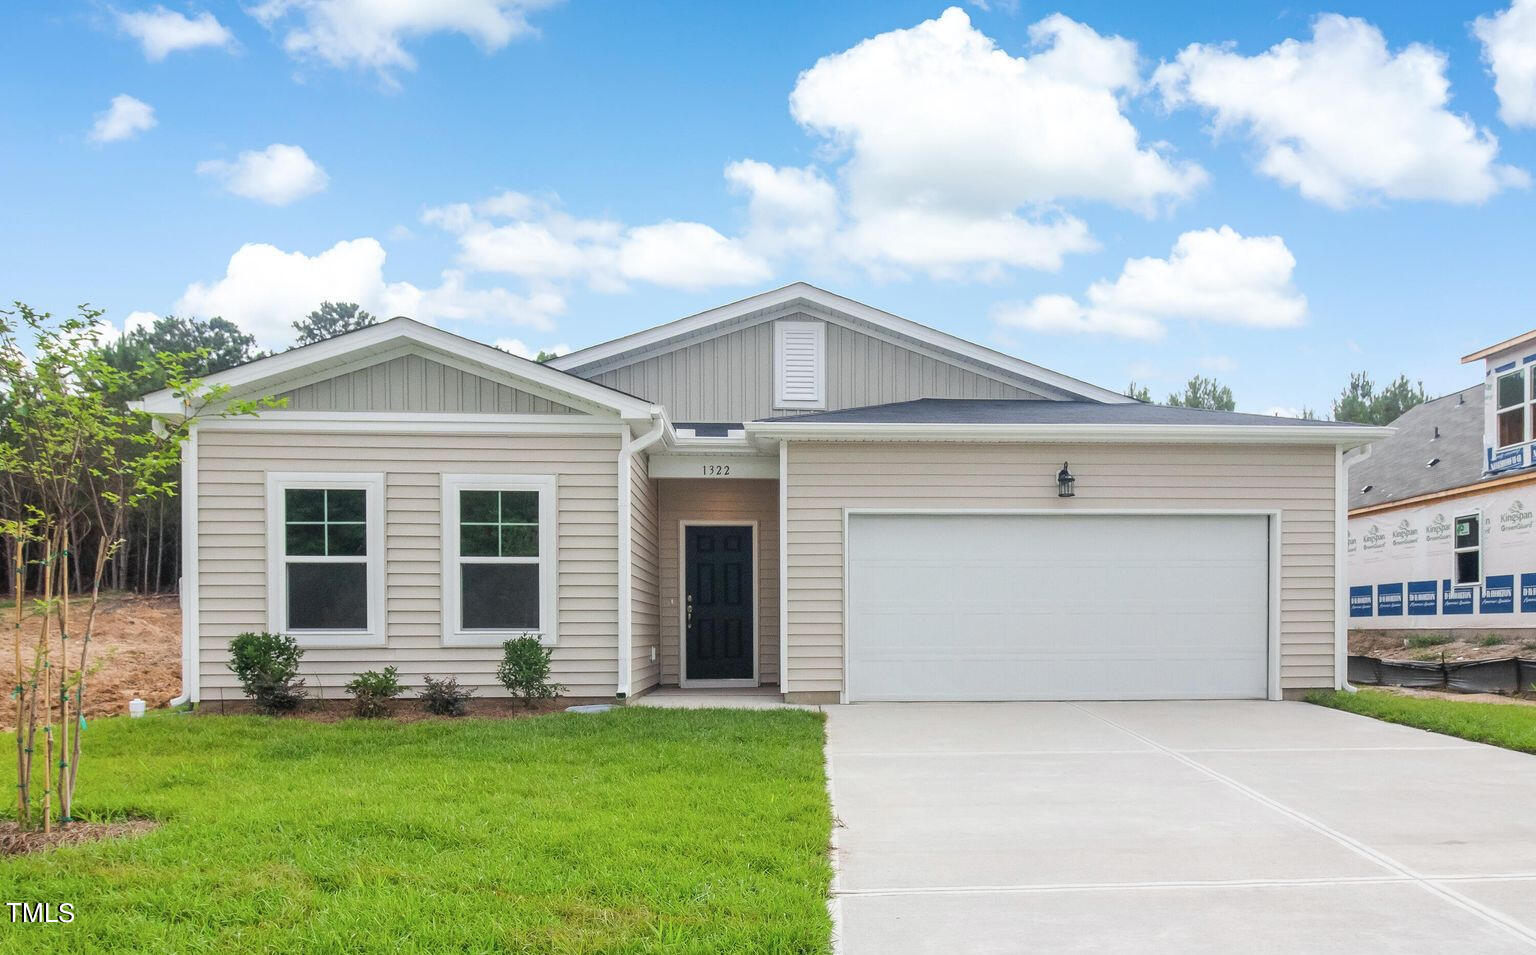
799 364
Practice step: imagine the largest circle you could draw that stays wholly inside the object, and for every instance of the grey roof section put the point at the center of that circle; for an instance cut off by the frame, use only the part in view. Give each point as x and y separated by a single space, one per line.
1397 467
1027 411
708 429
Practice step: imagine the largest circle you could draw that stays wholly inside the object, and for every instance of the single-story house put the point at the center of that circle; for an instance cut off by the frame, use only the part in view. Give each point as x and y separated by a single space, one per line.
794 490
1442 535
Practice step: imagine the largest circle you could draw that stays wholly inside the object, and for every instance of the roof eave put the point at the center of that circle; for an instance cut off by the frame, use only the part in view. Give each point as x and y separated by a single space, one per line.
273 368
1505 345
1350 437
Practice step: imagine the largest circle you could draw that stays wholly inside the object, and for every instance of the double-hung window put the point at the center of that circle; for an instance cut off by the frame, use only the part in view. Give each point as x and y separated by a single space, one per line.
498 558
1467 549
1512 395
325 543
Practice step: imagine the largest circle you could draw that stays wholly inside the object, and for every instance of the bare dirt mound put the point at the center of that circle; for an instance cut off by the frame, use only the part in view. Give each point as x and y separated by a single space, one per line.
135 651
1426 646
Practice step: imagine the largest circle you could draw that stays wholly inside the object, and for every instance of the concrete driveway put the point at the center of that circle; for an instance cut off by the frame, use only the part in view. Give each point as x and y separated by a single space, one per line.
1178 827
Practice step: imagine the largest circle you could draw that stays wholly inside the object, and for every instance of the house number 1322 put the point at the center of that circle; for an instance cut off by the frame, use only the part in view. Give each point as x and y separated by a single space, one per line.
717 470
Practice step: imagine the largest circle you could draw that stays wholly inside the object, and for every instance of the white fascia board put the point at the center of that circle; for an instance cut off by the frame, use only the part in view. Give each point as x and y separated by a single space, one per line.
830 300
338 349
432 422
1067 433
736 442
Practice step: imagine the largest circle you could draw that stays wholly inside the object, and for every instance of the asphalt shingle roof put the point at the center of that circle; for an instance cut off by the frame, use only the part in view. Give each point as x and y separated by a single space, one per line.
1449 428
1032 411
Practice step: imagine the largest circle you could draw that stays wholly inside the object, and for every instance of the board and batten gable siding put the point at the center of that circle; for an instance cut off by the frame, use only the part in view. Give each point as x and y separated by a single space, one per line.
705 499
645 593
232 558
414 383
826 478
729 378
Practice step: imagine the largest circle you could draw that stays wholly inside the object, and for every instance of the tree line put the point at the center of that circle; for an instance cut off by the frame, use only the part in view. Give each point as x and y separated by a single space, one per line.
1360 402
147 556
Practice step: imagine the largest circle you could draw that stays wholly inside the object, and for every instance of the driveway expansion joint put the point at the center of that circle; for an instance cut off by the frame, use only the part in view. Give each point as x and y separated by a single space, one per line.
1511 926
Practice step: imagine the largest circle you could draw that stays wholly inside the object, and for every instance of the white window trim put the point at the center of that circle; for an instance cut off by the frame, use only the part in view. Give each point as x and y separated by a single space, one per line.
277 577
454 635
820 330
1524 406
1482 565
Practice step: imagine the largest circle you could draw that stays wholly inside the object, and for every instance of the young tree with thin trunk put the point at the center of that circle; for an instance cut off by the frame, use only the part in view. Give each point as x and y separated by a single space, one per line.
74 461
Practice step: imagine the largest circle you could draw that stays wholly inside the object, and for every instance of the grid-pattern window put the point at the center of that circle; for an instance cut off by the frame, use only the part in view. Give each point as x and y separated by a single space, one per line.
1467 550
1511 400
325 558
499 559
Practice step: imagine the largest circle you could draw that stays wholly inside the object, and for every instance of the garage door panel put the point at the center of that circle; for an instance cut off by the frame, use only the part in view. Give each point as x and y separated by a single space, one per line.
1046 607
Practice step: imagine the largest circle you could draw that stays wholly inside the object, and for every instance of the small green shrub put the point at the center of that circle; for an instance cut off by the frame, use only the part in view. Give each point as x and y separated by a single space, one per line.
1429 639
445 697
524 670
372 690
267 666
1492 640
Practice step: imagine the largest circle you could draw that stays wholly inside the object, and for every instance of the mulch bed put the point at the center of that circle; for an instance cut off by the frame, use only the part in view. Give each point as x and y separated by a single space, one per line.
406 710
13 841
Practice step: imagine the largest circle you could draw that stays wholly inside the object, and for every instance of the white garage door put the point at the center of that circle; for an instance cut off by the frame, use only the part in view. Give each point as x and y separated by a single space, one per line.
1079 607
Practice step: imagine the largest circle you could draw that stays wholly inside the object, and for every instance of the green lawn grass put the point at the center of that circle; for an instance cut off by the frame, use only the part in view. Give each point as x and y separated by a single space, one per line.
638 830
1501 724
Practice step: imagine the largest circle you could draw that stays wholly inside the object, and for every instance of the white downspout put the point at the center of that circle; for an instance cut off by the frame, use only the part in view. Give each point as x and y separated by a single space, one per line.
188 584
783 568
628 448
1342 463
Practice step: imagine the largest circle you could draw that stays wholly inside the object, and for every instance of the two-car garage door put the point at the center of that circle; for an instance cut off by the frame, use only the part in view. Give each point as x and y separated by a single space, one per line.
1047 607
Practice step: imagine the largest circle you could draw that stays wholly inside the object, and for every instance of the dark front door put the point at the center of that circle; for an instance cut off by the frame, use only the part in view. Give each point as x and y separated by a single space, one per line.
717 609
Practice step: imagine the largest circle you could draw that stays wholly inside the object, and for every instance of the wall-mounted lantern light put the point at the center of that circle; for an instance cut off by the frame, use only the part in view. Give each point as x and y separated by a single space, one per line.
1064 482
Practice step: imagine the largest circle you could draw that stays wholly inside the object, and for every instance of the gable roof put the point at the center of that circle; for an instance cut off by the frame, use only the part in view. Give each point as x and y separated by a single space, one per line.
965 419
1504 345
1025 411
1449 428
367 346
684 330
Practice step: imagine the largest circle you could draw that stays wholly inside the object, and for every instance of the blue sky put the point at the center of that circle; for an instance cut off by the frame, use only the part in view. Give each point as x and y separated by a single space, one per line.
558 173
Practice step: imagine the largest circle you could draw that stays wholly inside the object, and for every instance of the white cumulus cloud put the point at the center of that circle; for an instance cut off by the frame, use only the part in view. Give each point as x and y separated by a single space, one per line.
687 255
265 289
535 239
1509 49
1212 275
124 118
276 175
940 130
162 32
1342 118
371 34
788 209
140 321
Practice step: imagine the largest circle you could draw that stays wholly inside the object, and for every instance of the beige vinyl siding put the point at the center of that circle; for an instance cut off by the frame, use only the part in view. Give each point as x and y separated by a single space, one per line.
645 594
826 478
414 383
730 377
704 499
232 560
